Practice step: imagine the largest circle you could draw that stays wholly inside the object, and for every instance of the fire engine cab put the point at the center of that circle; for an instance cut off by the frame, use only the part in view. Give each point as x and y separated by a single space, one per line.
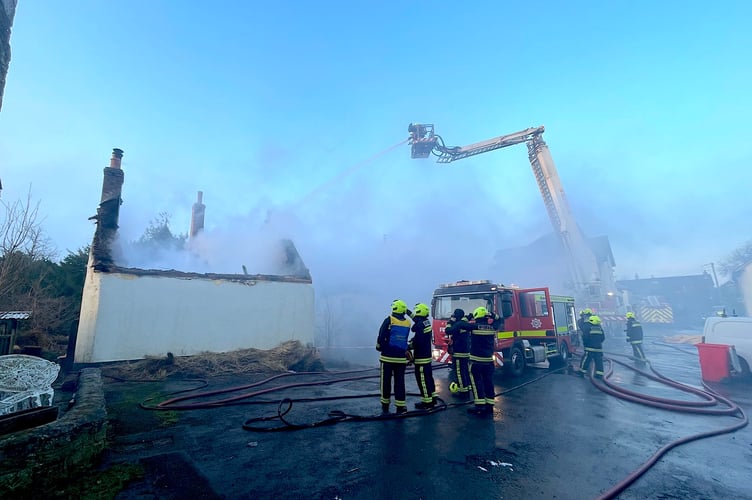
537 326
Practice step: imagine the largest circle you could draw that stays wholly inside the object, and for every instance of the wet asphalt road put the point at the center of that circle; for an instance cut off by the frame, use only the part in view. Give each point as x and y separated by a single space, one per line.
557 437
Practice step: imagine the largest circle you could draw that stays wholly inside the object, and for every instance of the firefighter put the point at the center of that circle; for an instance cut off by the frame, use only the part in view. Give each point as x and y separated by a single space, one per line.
458 329
482 346
421 345
634 336
592 337
392 344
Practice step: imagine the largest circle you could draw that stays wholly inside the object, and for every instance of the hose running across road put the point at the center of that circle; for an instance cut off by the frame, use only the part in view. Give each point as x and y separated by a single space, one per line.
711 403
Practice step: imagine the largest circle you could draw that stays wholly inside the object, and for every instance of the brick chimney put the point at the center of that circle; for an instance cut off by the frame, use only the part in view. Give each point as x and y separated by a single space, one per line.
117 156
197 215
108 212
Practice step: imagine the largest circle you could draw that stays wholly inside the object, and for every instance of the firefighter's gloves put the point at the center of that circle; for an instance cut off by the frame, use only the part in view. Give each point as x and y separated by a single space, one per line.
409 313
409 357
378 347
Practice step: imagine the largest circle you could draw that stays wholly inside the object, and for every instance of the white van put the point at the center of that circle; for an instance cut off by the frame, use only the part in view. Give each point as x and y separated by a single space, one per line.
735 331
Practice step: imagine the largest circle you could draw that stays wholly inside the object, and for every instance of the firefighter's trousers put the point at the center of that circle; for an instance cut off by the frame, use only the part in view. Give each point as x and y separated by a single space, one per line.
396 372
481 379
637 350
424 378
595 355
462 370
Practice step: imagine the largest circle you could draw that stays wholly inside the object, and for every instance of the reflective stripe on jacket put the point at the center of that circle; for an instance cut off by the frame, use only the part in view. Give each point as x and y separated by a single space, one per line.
483 339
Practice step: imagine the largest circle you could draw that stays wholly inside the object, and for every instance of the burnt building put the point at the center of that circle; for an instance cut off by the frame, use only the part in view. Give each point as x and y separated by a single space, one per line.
131 313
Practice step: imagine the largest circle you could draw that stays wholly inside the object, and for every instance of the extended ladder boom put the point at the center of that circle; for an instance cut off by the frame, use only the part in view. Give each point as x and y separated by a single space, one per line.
447 155
583 266
424 142
582 262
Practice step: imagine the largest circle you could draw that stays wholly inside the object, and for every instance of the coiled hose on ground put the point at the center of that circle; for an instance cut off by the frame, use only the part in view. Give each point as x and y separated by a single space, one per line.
710 400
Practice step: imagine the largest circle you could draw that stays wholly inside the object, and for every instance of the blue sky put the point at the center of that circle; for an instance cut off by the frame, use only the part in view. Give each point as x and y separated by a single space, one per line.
259 104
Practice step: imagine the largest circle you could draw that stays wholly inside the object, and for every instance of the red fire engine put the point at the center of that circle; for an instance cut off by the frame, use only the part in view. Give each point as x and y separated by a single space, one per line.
537 327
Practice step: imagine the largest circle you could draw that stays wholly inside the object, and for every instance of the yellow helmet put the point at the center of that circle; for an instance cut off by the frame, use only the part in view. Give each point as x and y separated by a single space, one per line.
587 311
594 320
421 310
454 388
480 312
630 315
399 306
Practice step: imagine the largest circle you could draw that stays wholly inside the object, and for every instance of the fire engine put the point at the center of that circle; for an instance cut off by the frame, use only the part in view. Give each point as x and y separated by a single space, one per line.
538 326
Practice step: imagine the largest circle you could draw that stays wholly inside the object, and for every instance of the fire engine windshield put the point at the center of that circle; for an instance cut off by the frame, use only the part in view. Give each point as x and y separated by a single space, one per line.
444 306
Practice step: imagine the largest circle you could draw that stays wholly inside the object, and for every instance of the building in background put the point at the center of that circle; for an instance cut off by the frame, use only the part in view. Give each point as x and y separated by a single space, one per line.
738 293
681 301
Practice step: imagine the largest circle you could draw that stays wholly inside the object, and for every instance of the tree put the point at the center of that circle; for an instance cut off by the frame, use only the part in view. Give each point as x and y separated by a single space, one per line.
31 280
737 259
73 270
22 243
158 235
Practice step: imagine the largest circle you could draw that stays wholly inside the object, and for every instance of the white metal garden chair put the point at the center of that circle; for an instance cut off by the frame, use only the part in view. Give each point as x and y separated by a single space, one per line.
25 382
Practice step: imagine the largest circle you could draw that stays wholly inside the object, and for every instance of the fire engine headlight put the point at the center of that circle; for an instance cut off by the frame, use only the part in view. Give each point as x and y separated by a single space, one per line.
436 353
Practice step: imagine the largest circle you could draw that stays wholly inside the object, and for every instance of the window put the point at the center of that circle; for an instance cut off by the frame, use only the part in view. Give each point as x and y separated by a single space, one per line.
444 306
561 318
533 304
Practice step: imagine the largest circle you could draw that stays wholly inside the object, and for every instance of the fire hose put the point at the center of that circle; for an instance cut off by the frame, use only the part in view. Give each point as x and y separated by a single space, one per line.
709 399
707 405
285 405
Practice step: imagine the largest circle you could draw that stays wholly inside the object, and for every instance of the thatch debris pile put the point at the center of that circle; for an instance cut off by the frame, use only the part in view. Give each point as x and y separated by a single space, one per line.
288 356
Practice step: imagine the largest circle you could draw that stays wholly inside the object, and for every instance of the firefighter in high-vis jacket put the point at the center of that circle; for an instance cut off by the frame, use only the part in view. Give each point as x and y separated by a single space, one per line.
634 336
458 330
392 344
482 346
421 346
592 338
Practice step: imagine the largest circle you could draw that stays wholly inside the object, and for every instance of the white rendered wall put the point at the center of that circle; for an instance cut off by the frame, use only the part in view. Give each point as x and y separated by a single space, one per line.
745 283
126 316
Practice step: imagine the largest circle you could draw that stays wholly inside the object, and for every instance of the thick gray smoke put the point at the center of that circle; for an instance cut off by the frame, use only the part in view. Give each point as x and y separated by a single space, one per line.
368 237
397 228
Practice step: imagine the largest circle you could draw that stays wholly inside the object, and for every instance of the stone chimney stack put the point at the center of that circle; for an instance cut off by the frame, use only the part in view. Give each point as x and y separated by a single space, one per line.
108 212
197 215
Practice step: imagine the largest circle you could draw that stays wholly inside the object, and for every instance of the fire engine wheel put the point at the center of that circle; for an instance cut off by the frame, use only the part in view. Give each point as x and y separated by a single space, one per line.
516 364
563 353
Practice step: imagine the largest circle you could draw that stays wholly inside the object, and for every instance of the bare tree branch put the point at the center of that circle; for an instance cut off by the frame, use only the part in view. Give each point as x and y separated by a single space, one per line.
737 259
21 243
